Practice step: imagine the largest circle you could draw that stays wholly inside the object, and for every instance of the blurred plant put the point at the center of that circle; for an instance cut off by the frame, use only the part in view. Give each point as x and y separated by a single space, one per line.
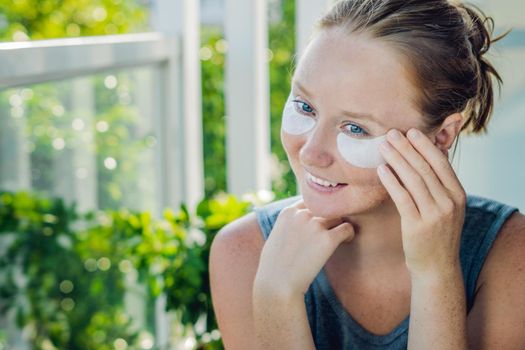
32 19
212 54
46 19
120 142
44 280
282 47
214 214
213 49
3 340
53 123
66 276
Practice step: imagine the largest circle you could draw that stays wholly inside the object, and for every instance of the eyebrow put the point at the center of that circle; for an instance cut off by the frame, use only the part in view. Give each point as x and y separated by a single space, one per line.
356 115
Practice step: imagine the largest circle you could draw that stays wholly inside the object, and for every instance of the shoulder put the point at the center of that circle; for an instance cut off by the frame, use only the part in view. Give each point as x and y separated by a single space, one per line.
233 263
250 231
247 234
507 253
498 314
239 236
240 241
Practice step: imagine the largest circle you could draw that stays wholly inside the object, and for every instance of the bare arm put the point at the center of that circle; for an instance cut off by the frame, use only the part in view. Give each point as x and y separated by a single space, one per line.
497 318
295 252
250 315
438 313
234 257
280 320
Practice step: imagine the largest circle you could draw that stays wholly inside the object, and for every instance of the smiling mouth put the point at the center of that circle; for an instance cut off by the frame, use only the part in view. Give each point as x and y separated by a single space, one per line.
322 182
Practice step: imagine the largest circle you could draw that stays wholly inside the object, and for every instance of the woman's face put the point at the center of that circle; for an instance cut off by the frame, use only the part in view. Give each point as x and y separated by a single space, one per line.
353 83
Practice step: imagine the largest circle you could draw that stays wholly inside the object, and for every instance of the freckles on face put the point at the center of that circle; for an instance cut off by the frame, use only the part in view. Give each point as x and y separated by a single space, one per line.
346 79
301 156
363 191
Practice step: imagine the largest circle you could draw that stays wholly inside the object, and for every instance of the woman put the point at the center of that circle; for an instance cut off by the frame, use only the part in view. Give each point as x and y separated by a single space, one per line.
384 249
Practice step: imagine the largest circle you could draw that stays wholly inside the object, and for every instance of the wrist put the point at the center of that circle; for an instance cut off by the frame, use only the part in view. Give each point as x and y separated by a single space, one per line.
450 272
263 289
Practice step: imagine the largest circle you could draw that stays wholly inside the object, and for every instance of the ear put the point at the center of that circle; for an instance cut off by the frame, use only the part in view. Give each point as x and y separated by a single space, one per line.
447 133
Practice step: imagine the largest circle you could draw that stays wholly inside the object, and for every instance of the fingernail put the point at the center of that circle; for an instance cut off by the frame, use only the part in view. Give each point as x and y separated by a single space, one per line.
386 146
394 134
413 133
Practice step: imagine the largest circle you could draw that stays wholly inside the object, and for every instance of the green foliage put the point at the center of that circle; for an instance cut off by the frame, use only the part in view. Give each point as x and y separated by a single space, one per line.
281 44
66 275
45 280
3 340
213 109
122 139
49 110
47 19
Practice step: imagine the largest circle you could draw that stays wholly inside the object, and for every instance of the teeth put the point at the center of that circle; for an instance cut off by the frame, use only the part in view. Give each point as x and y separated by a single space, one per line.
321 181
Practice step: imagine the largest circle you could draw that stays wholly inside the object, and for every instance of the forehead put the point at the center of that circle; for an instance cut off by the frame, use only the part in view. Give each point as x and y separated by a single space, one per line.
358 73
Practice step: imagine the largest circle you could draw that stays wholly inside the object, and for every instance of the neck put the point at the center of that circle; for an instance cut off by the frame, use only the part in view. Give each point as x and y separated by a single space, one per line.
377 243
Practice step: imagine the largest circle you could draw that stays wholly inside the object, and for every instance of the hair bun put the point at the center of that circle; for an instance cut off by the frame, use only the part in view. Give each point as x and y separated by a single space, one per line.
444 42
479 28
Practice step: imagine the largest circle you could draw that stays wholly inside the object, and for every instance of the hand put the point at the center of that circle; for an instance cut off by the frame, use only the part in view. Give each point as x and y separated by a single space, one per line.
429 198
298 247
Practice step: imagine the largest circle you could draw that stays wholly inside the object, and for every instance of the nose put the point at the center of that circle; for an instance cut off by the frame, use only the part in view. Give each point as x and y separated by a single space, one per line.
316 150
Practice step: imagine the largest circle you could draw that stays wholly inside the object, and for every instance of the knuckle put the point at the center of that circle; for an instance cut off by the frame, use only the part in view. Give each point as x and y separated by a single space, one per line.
318 222
416 179
425 170
303 214
462 197
420 182
447 206
405 199
289 209
443 163
348 227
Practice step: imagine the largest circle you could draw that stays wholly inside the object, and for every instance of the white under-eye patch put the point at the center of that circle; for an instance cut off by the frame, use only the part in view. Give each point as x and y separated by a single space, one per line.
362 153
294 122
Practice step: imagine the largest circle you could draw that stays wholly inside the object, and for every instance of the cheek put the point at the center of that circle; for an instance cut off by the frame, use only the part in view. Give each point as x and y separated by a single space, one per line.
364 184
366 177
365 190
292 145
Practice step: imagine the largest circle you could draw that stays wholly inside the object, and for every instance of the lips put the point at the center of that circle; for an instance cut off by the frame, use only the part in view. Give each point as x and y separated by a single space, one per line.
322 182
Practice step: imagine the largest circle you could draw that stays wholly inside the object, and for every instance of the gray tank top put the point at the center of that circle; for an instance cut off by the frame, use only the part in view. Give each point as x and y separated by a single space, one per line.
334 328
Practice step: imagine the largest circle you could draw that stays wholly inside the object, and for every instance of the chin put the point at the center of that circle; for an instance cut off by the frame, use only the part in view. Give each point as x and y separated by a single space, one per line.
325 208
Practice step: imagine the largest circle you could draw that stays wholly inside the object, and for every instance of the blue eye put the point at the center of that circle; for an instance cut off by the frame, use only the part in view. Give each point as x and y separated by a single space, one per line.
353 129
303 107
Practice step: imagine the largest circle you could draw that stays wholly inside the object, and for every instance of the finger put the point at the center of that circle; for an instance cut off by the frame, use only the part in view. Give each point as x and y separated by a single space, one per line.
402 199
437 160
329 223
412 181
419 164
341 233
293 209
299 204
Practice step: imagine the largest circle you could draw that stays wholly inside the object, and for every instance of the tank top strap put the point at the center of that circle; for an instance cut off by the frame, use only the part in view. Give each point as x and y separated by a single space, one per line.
267 214
483 220
333 328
